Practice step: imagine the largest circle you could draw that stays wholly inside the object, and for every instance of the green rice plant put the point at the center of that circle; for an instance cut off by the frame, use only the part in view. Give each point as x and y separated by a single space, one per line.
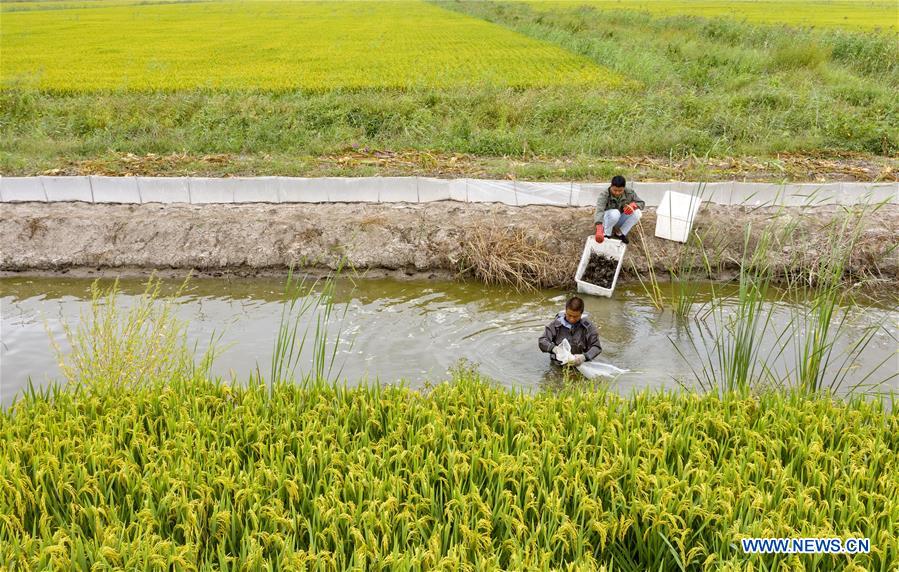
186 472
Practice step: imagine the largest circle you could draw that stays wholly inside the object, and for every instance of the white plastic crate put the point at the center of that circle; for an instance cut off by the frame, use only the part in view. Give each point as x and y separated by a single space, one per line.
610 247
675 215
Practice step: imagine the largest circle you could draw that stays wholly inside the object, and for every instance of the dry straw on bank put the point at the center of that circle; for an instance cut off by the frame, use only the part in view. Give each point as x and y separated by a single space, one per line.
512 257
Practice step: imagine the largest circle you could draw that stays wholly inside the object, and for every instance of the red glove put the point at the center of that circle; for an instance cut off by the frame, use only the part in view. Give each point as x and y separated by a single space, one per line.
600 233
629 209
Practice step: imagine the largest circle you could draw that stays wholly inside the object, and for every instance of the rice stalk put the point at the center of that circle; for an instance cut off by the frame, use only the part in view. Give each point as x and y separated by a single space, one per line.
188 472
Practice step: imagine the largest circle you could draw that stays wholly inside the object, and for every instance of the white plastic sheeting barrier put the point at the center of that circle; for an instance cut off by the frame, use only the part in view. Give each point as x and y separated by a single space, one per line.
590 369
420 190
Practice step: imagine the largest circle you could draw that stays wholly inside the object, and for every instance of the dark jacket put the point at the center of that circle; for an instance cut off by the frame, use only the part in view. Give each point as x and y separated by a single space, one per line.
606 202
582 336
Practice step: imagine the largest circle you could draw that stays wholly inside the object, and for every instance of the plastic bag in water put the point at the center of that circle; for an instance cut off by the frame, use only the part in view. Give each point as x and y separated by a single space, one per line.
589 369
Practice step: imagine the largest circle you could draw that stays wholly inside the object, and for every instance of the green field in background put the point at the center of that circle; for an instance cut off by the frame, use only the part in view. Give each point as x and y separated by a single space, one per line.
274 46
504 82
859 15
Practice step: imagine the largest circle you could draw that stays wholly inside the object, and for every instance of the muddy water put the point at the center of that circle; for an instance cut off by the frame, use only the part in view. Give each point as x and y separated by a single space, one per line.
414 331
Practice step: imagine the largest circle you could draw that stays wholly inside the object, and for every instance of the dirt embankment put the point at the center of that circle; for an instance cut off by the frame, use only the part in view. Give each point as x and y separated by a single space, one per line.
534 245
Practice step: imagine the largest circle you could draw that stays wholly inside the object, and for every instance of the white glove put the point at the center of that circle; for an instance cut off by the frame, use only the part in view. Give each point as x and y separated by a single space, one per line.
577 359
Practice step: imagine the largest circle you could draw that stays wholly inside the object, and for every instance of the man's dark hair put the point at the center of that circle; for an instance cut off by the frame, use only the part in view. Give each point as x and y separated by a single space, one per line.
575 304
618 181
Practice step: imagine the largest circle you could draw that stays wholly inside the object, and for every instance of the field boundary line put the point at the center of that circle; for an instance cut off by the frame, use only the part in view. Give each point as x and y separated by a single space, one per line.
388 190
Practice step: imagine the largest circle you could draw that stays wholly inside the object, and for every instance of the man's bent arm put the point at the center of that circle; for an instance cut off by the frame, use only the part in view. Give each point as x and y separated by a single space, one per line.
546 342
640 203
593 347
601 201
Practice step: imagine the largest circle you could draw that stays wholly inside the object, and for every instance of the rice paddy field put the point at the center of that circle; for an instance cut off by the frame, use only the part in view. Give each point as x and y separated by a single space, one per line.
848 15
275 46
186 473
538 90
139 458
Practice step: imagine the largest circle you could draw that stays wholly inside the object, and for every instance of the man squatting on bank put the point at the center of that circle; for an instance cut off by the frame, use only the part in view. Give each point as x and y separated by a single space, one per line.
580 333
618 206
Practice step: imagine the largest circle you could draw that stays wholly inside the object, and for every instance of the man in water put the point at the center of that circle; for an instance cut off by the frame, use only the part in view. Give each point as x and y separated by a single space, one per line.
617 207
580 333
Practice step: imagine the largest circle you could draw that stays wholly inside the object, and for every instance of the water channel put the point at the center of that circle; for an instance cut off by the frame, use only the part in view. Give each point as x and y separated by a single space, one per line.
417 330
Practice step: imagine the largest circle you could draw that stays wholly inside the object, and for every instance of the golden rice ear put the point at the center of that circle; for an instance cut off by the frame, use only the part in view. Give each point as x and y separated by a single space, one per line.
467 472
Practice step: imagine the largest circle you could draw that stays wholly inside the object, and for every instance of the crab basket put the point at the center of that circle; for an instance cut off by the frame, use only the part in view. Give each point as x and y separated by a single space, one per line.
611 248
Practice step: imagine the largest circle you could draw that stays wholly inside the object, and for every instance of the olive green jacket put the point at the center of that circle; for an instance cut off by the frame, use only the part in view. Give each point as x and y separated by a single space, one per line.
607 202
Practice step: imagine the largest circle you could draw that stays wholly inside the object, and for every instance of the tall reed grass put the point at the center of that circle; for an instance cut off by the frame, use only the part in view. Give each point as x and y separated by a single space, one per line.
313 299
738 343
831 304
731 351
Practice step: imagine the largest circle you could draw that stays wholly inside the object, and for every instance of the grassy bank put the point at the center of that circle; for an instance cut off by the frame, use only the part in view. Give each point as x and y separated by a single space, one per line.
696 91
539 134
192 474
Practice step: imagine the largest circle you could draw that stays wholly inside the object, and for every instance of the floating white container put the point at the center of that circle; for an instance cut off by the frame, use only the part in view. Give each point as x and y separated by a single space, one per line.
675 215
610 247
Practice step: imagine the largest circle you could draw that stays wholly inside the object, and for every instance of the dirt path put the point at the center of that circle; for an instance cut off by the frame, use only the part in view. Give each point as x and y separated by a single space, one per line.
539 245
793 167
